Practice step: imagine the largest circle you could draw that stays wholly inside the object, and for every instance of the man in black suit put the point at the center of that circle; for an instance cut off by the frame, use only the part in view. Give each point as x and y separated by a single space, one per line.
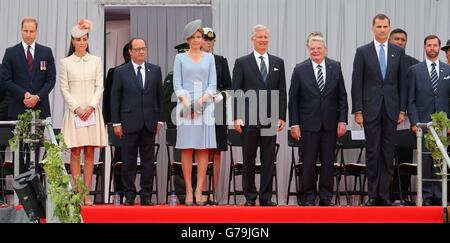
118 187
257 79
29 76
3 117
137 115
429 92
379 103
318 115
399 37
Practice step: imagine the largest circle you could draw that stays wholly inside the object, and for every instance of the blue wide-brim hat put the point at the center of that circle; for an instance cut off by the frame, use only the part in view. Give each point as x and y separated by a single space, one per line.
191 28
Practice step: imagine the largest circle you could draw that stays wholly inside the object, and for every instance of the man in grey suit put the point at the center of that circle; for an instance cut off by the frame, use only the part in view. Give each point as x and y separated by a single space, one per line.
429 92
379 103
318 115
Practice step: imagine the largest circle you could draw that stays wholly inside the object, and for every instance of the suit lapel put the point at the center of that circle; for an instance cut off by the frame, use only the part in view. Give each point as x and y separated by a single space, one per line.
374 56
22 57
328 74
441 75
147 76
133 77
312 76
37 55
390 56
426 78
254 66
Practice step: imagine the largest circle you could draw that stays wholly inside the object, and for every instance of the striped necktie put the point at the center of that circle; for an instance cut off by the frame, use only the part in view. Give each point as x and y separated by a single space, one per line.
434 77
29 60
320 80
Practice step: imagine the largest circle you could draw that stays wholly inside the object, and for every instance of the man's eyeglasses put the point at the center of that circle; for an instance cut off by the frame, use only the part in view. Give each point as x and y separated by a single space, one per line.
140 49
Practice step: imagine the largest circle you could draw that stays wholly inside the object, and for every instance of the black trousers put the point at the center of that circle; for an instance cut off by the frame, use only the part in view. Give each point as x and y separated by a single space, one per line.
380 154
144 141
321 143
251 139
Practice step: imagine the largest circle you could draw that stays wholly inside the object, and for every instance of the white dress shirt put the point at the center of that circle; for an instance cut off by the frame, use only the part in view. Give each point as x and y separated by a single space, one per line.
377 47
25 47
135 67
429 66
258 60
316 70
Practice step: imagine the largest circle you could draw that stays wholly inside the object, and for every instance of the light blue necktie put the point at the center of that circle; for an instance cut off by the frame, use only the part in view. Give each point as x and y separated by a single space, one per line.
382 60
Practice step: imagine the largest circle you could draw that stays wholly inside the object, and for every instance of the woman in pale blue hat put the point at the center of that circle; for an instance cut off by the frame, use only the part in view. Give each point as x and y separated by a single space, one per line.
194 81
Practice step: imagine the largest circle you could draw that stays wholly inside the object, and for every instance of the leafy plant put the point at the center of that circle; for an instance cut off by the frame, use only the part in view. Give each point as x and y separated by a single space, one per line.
441 122
22 129
68 202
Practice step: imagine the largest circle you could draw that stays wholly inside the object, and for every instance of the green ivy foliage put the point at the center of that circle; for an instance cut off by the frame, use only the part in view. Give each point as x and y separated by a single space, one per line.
22 129
441 122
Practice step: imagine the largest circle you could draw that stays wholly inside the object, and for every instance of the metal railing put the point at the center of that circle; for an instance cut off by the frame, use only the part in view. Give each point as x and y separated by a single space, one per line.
446 161
50 206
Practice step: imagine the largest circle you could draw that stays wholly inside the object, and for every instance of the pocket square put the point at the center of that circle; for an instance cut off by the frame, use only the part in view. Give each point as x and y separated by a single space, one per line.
275 69
448 77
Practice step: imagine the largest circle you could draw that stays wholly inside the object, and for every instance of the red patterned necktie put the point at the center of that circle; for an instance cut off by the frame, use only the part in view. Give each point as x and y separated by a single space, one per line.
29 60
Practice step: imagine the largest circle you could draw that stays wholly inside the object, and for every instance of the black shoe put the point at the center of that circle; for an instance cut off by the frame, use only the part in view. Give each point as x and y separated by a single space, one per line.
427 202
213 203
308 203
385 202
129 201
437 202
326 203
371 202
267 204
146 201
249 203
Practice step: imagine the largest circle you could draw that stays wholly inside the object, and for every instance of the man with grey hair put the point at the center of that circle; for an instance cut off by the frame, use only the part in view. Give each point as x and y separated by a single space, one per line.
318 116
262 74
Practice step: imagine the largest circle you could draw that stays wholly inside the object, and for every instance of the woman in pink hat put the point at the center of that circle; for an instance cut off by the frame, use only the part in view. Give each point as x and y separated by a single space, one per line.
81 81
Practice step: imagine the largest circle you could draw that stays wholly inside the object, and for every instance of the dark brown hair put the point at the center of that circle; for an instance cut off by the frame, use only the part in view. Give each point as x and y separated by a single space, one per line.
381 17
72 48
431 37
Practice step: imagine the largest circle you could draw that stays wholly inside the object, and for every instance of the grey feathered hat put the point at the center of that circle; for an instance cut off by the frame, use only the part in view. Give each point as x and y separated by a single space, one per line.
191 28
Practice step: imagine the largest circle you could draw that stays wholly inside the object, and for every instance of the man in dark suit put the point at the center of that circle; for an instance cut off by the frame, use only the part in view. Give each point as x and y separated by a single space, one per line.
137 115
429 92
118 187
29 73
379 103
446 49
29 76
262 75
3 117
318 115
399 37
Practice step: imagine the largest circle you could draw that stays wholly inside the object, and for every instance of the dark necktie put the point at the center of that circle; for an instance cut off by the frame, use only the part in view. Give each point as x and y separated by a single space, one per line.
139 77
263 69
382 60
29 60
320 80
434 77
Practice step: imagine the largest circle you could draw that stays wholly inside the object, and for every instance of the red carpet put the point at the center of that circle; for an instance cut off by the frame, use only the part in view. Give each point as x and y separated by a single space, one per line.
240 214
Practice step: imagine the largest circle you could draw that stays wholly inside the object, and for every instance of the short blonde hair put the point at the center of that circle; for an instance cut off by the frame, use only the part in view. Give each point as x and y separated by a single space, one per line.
315 36
29 19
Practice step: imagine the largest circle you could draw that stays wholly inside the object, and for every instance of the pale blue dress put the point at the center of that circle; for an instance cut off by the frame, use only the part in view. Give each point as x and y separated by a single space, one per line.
193 80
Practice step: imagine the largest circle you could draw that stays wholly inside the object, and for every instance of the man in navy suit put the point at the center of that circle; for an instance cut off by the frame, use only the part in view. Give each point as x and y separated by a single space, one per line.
429 92
263 75
29 73
379 103
318 115
137 115
29 76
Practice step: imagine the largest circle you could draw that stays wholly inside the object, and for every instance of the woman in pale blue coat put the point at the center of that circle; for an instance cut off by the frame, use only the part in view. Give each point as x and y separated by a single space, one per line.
194 81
